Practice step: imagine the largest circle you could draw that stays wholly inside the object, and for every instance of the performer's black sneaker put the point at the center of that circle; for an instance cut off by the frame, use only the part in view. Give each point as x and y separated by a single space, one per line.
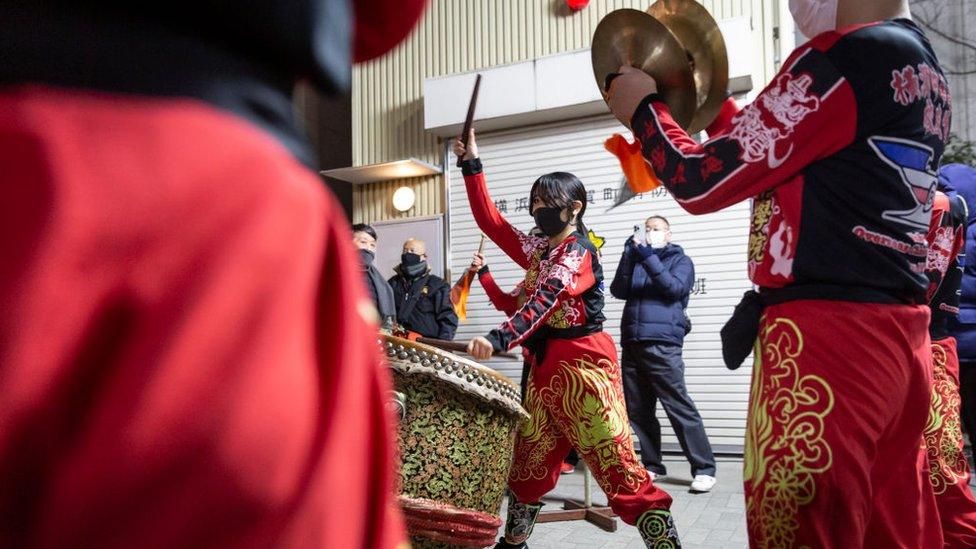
502 544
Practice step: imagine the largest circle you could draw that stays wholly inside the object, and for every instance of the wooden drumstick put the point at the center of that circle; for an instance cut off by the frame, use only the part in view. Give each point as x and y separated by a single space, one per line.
469 119
457 346
481 247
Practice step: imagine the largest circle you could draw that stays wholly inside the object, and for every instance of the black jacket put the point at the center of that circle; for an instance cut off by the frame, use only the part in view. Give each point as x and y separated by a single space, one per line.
423 305
656 290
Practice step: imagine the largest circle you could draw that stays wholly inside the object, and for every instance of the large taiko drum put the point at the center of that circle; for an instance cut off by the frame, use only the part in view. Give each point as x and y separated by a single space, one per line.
457 432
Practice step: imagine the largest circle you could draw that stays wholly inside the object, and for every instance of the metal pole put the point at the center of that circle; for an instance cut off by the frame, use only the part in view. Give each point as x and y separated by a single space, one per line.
446 197
586 487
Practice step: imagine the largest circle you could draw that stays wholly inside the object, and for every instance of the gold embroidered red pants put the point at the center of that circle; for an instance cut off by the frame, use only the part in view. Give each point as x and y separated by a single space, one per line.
948 468
840 396
575 398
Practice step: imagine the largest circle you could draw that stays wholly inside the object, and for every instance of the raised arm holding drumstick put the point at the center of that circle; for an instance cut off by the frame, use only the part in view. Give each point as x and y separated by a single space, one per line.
561 323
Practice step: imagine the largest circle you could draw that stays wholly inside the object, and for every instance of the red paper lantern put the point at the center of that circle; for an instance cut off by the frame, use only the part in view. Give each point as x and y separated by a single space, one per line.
577 5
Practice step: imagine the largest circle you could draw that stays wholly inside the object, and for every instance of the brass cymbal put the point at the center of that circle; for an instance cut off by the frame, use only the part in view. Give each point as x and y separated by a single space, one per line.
632 37
701 38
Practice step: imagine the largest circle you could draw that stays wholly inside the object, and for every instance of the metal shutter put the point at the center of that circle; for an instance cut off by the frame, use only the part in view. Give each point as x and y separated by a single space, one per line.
716 243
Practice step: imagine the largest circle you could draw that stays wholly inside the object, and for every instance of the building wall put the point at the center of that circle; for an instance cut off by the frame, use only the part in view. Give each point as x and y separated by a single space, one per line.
464 35
957 19
327 120
460 36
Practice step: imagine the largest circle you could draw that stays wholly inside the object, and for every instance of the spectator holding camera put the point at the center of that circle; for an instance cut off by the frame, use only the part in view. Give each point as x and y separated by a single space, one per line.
655 278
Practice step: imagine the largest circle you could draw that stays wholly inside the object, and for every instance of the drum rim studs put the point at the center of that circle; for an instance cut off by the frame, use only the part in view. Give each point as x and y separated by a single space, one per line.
474 379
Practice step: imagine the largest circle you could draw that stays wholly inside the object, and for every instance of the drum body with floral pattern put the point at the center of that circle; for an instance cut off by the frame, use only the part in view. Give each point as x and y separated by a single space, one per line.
456 437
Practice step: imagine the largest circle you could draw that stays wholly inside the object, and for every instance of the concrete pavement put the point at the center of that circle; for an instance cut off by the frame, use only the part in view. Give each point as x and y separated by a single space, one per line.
712 520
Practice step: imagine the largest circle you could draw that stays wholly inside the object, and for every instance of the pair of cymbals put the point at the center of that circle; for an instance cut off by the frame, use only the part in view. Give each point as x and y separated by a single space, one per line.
679 44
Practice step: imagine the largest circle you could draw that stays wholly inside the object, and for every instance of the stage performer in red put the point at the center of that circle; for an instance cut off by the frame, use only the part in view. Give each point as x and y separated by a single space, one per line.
574 393
188 356
839 155
948 468
509 303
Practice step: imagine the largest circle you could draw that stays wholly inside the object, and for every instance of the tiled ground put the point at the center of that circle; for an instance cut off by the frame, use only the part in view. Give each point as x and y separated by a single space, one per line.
712 520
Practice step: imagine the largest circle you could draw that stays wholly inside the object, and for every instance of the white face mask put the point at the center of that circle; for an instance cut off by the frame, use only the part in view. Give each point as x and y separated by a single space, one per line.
813 17
656 239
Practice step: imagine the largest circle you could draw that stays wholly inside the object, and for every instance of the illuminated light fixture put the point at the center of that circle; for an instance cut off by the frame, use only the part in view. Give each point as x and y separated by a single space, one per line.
373 173
403 199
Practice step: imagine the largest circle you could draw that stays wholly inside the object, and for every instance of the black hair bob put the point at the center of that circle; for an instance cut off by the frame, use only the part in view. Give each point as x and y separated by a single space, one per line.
560 189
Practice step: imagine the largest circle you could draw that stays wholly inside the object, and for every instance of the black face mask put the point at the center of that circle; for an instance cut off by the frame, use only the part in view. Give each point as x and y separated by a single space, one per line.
411 264
549 221
367 257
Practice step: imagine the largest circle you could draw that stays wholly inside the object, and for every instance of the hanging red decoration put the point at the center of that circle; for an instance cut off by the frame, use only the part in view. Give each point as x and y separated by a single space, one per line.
577 5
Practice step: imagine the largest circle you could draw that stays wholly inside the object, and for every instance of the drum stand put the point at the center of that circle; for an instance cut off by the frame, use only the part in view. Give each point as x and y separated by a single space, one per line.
574 509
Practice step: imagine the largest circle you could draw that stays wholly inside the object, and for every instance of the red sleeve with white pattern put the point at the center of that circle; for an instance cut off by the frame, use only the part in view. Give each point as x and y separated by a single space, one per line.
807 113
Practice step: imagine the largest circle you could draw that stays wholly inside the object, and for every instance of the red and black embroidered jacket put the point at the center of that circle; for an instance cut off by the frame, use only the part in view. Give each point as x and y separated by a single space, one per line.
563 286
839 152
946 238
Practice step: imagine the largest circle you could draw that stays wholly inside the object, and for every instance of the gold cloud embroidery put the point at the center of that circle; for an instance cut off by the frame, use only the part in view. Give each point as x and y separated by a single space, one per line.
785 447
943 432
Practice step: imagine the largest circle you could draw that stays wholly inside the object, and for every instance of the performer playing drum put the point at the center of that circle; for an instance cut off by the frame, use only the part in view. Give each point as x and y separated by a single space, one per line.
839 155
574 395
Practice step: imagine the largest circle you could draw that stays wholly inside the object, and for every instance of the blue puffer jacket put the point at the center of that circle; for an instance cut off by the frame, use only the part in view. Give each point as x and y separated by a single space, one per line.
656 290
961 179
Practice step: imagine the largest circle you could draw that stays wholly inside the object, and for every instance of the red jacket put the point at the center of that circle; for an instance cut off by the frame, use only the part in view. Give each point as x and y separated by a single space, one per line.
946 240
506 302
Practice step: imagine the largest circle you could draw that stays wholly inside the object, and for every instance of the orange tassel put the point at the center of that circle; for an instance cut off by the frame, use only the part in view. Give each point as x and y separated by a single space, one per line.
459 295
640 177
460 291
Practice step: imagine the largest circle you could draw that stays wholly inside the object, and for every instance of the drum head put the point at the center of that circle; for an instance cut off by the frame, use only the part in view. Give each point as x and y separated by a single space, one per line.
414 358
